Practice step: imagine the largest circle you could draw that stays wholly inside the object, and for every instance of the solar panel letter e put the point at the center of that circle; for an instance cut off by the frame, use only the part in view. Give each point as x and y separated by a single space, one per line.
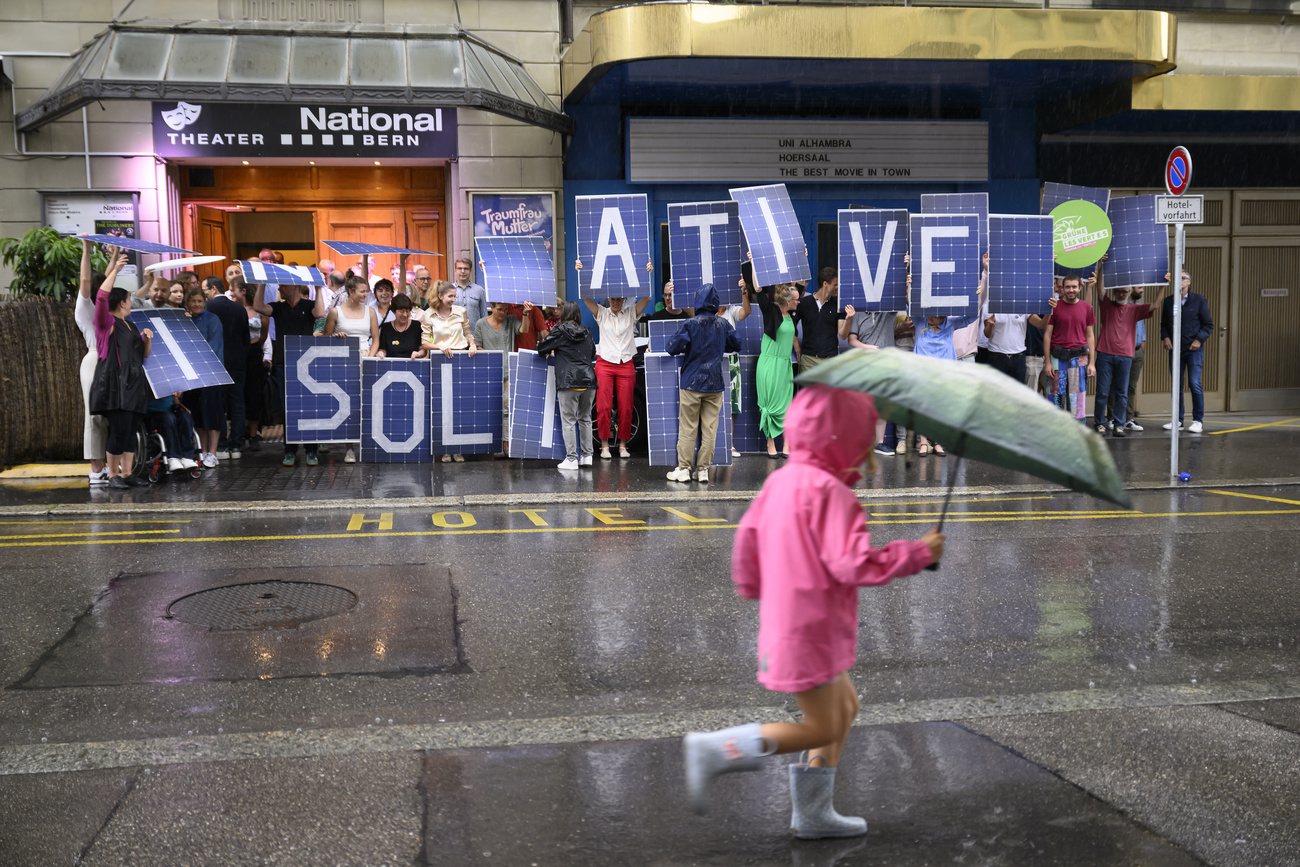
929 267
611 219
315 386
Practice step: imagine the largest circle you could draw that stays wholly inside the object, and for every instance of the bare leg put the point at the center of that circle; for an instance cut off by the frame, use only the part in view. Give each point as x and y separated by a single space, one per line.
97 466
771 446
114 465
828 713
128 462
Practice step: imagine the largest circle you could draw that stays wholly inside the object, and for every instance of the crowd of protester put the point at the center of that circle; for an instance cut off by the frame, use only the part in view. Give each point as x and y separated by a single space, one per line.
410 314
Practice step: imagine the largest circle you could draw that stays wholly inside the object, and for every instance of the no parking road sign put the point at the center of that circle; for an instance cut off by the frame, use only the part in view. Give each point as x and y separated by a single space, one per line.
1178 171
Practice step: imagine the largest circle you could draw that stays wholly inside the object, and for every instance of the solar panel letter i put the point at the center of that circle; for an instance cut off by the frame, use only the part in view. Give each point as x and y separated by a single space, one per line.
929 267
772 232
611 219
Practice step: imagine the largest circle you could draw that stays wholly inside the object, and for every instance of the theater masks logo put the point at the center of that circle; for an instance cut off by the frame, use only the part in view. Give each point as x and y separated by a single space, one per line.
182 115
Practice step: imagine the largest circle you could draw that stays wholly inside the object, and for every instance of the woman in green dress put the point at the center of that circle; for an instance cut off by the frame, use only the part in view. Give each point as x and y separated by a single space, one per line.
775 375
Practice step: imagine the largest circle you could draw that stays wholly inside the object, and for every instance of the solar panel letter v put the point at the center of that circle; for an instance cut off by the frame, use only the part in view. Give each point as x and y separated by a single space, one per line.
873 284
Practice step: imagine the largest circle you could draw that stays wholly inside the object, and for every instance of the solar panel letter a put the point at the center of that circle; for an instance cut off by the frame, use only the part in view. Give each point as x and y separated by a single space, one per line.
771 231
611 219
929 267
874 285
315 386
704 222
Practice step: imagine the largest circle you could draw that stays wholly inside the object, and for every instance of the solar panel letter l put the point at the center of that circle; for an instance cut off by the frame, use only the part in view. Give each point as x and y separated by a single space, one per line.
315 386
704 222
874 286
611 218
773 233
929 267
449 436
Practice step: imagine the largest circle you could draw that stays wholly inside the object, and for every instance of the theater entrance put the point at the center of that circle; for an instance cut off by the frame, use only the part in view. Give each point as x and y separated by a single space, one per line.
236 211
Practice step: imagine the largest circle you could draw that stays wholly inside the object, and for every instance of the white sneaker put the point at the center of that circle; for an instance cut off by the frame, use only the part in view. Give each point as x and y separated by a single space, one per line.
236 453
350 457
679 474
1195 427
208 460
187 464
100 478
222 454
567 464
584 461
623 452
1170 425
174 465
702 475
1132 425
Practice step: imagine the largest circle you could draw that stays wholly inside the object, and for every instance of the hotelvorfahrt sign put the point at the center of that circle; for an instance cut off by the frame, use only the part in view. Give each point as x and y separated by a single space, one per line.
221 129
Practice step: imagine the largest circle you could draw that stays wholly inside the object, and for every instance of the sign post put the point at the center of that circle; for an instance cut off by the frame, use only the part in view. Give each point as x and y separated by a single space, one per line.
1178 175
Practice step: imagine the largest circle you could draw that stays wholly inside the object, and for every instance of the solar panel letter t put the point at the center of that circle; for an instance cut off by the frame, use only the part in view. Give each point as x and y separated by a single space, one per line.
873 285
704 222
929 267
612 218
773 234
315 386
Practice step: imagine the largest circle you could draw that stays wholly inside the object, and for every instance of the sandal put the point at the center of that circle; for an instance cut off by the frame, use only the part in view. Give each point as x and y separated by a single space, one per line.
938 450
923 449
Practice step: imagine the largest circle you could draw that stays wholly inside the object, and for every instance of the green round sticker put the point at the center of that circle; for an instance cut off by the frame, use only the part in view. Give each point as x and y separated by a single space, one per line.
1080 234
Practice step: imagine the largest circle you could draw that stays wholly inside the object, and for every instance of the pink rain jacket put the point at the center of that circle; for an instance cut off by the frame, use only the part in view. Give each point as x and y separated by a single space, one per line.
803 548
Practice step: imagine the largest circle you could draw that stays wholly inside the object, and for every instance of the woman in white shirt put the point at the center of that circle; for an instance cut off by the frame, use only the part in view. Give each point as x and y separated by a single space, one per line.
446 330
95 436
615 368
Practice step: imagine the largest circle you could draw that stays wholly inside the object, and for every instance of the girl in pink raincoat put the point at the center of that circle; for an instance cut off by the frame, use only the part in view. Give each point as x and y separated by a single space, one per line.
803 550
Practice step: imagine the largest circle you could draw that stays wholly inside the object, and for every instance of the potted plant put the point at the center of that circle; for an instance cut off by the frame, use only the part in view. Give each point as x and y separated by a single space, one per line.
45 264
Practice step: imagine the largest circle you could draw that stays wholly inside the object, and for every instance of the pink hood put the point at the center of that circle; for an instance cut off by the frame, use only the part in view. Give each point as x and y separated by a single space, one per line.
832 429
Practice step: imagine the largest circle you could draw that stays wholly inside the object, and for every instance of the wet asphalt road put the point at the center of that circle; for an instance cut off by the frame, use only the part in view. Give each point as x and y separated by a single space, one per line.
1074 686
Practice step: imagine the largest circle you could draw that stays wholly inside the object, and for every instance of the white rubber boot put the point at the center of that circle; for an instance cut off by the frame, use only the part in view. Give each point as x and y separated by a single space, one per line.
813 815
711 754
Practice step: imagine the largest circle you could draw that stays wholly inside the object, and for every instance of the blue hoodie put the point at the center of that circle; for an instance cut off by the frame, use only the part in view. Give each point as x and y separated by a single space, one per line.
704 339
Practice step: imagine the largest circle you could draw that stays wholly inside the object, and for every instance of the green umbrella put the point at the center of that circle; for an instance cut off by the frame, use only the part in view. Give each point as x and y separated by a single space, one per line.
978 412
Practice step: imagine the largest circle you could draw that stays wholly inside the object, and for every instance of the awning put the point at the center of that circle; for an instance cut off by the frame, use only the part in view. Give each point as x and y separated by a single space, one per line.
329 65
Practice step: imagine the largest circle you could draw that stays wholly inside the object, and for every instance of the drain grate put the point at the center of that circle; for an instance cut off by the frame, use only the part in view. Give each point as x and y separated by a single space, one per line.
262 605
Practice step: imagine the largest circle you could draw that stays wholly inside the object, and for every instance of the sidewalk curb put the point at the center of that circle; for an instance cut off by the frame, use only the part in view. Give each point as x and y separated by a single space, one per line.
568 498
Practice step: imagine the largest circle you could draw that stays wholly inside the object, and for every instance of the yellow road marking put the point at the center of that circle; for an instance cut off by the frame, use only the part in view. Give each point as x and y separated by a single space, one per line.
92 521
1084 514
62 535
1255 497
955 518
939 499
378 535
1254 426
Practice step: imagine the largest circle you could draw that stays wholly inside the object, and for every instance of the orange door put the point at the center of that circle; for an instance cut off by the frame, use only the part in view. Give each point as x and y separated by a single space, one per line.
209 235
365 225
428 233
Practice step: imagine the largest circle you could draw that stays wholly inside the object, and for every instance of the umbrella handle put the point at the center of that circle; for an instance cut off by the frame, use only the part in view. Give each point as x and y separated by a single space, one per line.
961 445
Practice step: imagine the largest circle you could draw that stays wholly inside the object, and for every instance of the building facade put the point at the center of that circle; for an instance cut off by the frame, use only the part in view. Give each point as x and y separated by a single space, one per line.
141 115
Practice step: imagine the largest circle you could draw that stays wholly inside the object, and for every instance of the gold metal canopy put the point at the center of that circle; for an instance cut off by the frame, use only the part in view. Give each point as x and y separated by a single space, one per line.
1218 93
681 30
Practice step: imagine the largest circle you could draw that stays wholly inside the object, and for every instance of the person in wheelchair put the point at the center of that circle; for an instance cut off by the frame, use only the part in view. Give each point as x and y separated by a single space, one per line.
169 417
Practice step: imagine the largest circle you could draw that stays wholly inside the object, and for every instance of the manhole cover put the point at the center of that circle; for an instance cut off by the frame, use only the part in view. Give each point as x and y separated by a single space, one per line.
264 605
